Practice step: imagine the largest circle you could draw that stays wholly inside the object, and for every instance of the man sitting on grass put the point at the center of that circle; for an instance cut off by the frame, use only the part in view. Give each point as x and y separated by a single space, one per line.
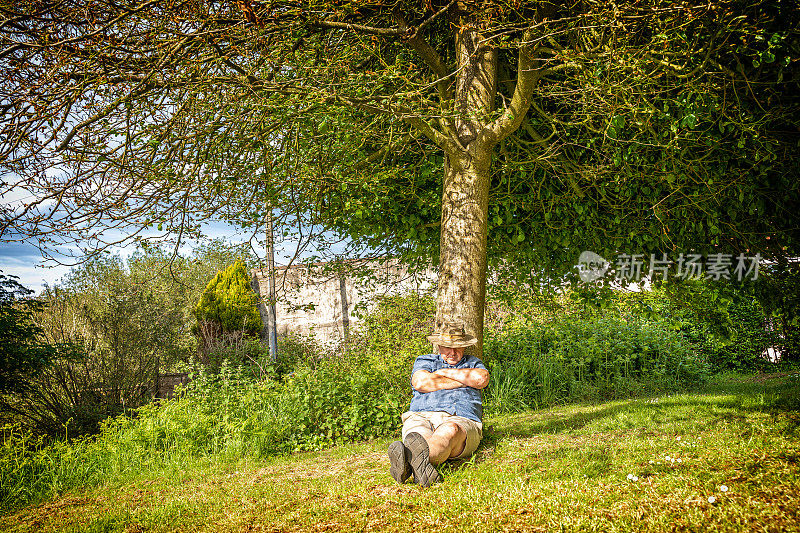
444 419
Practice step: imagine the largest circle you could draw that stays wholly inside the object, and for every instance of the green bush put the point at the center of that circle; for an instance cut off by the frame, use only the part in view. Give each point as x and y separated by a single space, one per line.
229 305
342 400
725 322
394 334
225 414
338 401
298 351
22 352
534 364
237 350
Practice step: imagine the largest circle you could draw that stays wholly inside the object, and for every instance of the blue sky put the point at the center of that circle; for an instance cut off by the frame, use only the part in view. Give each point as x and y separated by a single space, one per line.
23 259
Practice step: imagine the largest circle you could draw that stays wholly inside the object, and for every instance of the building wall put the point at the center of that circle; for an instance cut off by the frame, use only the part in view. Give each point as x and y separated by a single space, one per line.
309 297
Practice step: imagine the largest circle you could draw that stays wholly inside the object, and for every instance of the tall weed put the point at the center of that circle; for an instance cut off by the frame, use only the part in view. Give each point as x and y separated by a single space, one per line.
219 416
535 364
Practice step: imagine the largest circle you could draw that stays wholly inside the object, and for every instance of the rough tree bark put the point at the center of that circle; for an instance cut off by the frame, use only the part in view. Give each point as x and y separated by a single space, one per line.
465 197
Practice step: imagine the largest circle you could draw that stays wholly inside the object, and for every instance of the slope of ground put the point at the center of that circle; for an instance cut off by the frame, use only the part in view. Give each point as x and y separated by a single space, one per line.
725 458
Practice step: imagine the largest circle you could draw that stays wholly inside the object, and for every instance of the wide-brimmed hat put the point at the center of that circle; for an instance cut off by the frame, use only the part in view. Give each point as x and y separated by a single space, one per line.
452 335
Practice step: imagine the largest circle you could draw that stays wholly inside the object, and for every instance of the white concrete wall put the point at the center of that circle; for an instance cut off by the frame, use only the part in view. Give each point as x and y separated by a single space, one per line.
309 297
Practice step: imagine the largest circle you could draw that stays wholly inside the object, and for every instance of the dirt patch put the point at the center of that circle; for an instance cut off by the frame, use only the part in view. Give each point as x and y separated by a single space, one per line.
37 516
323 467
764 378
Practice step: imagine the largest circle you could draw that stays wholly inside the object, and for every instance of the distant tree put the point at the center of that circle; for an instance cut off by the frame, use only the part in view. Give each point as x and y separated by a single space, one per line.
116 329
112 324
228 306
22 351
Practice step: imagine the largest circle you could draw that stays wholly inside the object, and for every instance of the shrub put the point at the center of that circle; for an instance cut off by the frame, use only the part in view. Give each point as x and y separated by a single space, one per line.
114 331
394 334
234 350
536 364
298 351
229 304
342 400
725 322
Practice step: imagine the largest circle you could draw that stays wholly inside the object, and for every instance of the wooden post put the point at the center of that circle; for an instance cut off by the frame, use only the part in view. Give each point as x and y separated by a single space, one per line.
343 298
272 323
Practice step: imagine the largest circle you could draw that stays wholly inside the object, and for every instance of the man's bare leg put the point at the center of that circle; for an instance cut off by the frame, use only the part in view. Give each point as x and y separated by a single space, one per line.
446 442
431 448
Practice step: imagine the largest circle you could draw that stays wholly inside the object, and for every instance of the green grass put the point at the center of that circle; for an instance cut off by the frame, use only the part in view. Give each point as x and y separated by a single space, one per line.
564 468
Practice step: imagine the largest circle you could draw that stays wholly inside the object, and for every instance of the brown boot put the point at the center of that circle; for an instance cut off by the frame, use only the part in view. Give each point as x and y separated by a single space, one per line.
425 474
398 462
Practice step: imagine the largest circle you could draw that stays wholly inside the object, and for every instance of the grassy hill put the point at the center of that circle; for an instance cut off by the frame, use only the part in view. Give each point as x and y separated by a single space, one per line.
724 458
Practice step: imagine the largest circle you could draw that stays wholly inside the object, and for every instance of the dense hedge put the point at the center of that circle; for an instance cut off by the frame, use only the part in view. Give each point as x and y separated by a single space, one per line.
535 364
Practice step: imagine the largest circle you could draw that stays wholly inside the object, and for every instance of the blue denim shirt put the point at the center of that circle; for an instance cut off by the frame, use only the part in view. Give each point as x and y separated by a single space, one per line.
463 401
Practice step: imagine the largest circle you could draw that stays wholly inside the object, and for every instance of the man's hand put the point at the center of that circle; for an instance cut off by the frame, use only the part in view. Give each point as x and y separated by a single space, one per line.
450 378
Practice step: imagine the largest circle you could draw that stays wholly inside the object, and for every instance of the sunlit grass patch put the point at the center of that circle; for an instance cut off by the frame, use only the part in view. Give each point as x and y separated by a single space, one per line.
647 464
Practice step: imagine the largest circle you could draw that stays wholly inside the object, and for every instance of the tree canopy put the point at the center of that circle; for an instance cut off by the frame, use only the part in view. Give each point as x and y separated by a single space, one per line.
463 132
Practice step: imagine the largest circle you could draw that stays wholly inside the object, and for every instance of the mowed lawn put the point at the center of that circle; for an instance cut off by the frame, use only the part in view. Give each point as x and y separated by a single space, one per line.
650 464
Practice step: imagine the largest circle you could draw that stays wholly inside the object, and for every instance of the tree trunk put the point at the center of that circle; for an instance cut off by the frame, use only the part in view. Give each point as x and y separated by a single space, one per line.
462 264
465 199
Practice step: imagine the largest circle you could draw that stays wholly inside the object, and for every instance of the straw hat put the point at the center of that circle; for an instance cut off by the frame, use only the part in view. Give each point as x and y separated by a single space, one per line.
452 335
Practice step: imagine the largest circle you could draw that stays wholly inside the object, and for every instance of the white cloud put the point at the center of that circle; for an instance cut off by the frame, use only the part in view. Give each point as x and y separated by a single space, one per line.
32 276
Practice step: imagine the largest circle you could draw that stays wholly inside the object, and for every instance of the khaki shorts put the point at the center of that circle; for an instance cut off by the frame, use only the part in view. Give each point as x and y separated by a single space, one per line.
430 420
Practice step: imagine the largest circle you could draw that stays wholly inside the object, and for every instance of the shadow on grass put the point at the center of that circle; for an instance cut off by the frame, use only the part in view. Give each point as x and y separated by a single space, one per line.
722 402
714 404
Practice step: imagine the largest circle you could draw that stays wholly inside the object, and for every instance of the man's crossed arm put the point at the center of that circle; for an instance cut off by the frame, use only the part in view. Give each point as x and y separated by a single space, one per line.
450 378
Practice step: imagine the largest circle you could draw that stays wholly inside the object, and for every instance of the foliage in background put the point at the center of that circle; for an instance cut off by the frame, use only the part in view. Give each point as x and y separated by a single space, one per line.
228 308
22 351
538 364
183 279
124 329
778 291
723 320
118 325
394 334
